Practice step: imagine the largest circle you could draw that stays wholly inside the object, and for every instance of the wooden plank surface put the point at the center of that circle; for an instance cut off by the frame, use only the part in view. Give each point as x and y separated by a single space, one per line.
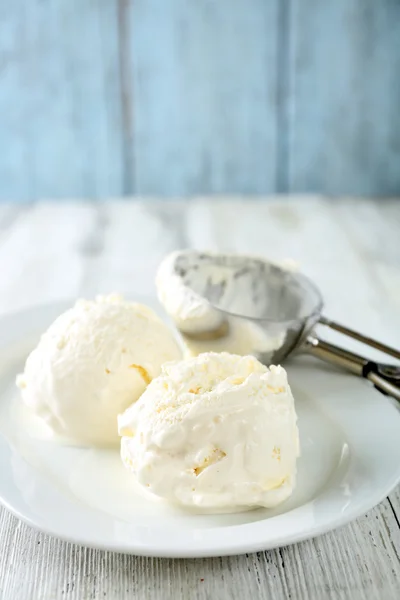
344 97
351 248
205 96
357 562
199 96
60 113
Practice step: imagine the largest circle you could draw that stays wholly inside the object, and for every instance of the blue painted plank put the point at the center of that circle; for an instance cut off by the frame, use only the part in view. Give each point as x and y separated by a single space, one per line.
60 109
198 96
345 97
205 96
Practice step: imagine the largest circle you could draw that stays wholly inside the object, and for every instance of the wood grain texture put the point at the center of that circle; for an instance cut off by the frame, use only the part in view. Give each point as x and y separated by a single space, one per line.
205 81
344 98
198 96
60 113
51 251
358 562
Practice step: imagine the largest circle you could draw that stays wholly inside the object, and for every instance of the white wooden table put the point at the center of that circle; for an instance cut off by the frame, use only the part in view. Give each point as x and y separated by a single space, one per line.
352 250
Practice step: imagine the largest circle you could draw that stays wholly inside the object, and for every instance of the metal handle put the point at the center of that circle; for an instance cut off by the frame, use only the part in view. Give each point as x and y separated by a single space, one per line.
335 355
354 363
384 385
360 337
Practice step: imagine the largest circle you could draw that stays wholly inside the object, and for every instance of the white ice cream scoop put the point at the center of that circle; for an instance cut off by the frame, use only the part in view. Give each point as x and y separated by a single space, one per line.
94 361
217 432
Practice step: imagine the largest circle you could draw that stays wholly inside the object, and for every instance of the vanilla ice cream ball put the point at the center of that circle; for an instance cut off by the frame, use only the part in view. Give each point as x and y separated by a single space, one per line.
190 312
217 432
218 302
94 361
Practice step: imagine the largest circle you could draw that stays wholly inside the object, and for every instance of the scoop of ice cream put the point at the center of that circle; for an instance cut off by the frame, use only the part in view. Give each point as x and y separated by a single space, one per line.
91 364
217 431
224 302
179 293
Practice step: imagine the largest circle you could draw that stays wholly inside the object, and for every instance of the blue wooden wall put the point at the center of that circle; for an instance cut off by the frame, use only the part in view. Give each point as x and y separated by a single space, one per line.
105 98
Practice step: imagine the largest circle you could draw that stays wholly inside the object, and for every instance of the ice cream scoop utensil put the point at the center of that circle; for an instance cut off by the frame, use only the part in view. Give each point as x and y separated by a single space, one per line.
212 291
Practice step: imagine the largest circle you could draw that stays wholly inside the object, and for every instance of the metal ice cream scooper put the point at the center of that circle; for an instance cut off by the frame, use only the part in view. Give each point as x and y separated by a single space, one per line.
247 305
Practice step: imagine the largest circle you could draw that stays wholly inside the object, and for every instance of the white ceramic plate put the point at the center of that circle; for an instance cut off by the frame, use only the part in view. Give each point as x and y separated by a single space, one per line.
350 439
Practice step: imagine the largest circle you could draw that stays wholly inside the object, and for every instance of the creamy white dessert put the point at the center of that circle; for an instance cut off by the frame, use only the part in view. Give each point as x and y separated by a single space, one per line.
206 294
177 288
94 361
215 432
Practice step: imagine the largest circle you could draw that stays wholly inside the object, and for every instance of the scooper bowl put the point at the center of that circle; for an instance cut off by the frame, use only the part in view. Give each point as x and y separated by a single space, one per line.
247 305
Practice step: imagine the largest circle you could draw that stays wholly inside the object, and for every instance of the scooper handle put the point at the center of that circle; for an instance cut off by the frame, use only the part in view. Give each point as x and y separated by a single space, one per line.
385 377
360 337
